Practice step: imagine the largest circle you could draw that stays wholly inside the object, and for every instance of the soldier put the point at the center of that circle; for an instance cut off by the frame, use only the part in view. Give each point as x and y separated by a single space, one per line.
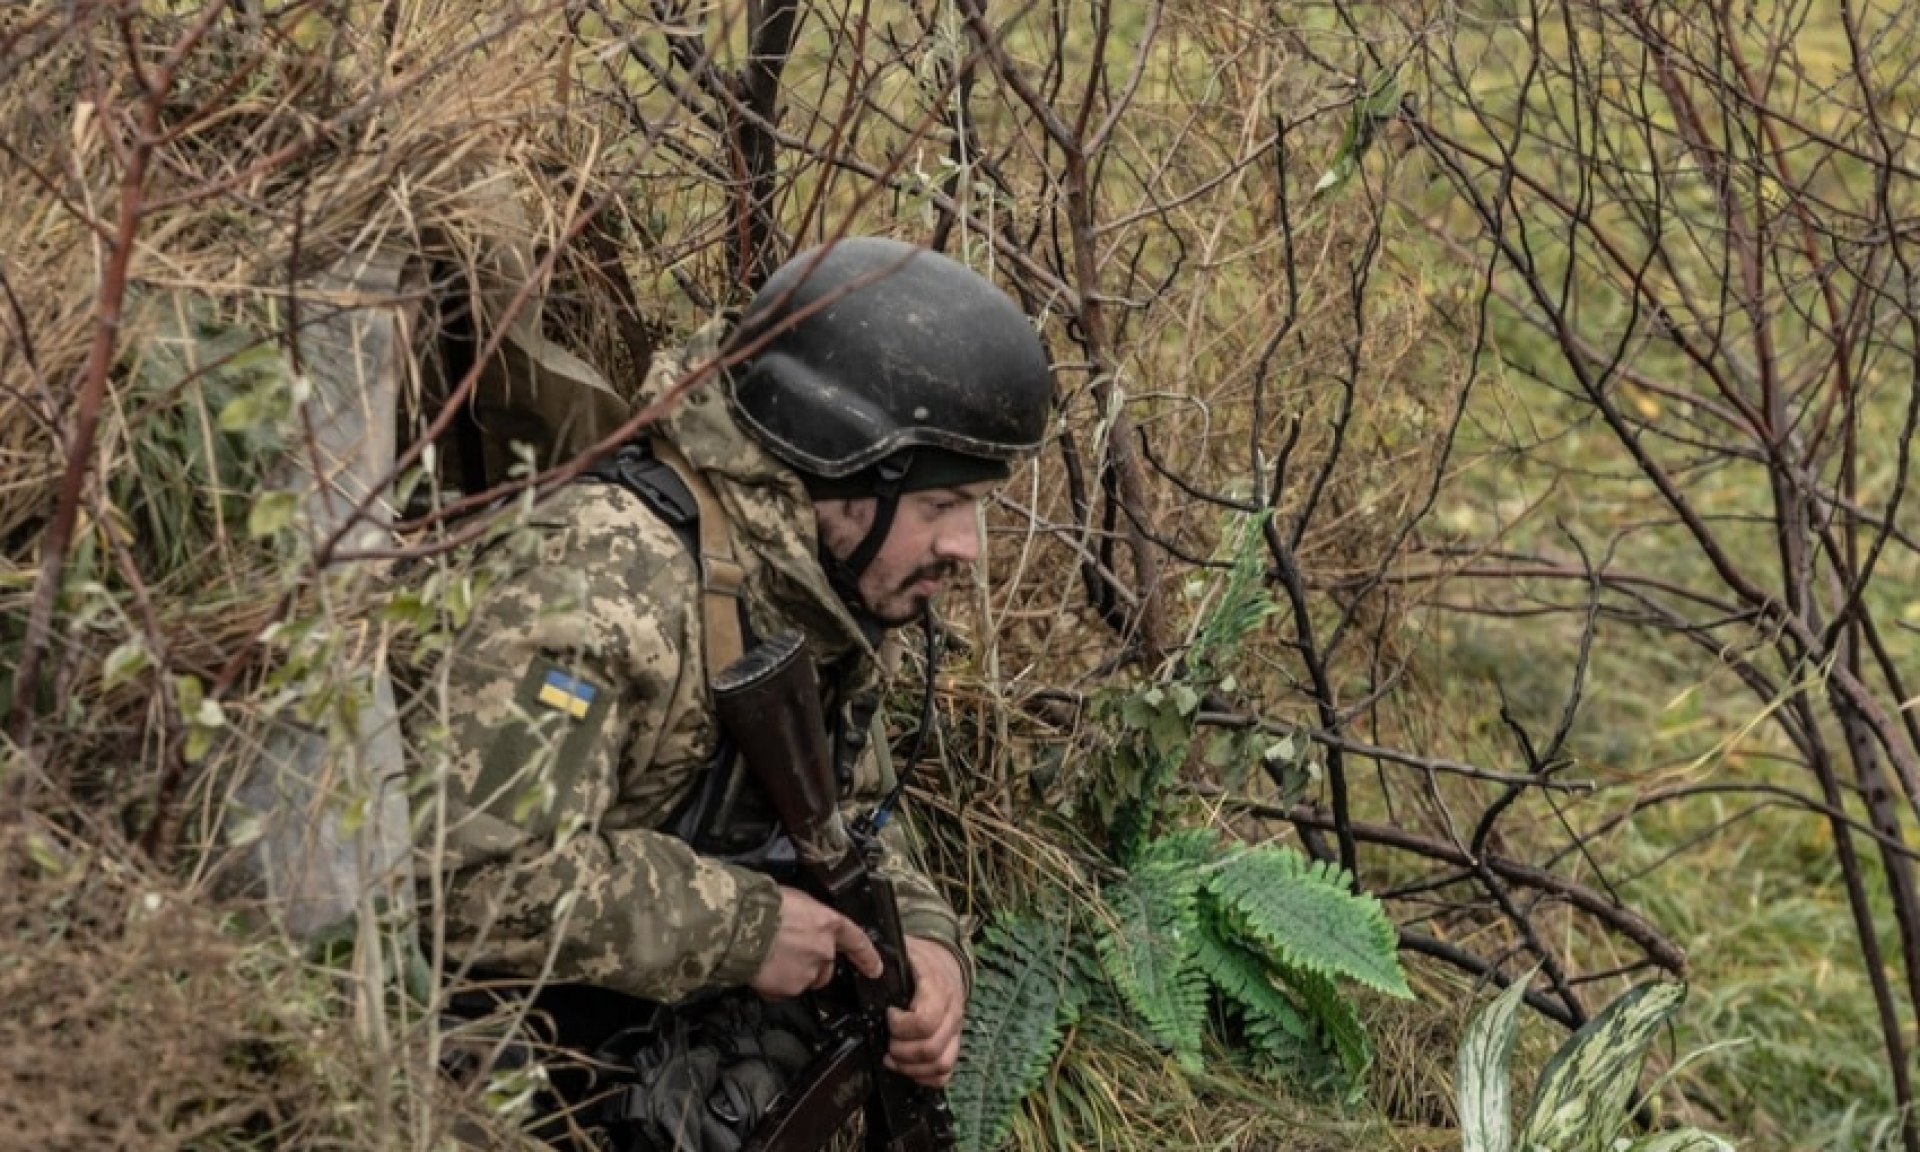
598 836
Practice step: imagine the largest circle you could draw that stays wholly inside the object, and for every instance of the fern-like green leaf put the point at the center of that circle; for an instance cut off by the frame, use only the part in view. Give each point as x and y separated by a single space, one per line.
1274 1026
1338 1020
1147 950
1192 848
1309 916
1583 1092
1483 1084
1028 989
1243 604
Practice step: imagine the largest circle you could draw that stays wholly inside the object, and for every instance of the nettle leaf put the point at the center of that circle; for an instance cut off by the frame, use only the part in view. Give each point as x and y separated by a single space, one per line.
1484 1088
1583 1092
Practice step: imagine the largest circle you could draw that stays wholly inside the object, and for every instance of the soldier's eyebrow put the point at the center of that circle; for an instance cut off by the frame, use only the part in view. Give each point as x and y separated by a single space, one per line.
952 495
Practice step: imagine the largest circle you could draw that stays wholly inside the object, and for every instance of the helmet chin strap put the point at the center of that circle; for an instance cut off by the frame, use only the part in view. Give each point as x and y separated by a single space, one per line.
844 575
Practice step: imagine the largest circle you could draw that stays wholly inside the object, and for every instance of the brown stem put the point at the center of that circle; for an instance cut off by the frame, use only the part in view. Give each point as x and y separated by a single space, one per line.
91 391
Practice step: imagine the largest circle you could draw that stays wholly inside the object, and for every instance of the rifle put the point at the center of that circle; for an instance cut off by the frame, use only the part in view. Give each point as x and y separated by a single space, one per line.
768 702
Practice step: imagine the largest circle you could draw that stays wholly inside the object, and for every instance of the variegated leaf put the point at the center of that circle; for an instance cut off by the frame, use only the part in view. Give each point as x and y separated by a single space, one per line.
1682 1140
1483 1087
1584 1089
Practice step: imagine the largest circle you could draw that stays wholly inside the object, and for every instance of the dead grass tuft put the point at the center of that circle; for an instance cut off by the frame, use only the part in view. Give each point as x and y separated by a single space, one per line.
127 1019
136 1015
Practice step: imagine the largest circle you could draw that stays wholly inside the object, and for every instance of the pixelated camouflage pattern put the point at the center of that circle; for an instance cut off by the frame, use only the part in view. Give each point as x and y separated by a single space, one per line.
551 861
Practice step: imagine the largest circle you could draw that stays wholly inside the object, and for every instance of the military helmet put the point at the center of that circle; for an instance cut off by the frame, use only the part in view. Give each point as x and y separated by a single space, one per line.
875 349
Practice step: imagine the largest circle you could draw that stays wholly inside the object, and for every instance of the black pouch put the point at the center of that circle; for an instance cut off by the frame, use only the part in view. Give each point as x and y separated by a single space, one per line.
706 1075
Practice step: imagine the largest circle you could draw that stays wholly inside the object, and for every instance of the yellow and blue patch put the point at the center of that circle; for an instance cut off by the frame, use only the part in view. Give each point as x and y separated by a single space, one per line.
569 694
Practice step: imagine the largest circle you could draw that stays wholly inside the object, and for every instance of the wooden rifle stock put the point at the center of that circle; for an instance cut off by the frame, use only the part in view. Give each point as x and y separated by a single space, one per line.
768 703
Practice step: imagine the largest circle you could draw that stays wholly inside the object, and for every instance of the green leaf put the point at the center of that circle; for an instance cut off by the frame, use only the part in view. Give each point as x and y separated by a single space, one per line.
187 694
1307 914
459 600
124 663
199 743
407 606
1189 848
264 405
1483 1085
1583 1092
1027 991
209 714
49 857
270 513
1681 1140
1339 1021
244 412
1383 98
1379 104
536 798
1243 603
1147 949
1224 749
510 1094
1274 1025
244 828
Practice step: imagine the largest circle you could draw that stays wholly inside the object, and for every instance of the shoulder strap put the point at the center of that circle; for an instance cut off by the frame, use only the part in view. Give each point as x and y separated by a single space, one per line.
669 484
721 577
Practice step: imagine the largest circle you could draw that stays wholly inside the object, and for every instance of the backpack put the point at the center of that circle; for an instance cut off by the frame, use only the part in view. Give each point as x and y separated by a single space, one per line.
321 823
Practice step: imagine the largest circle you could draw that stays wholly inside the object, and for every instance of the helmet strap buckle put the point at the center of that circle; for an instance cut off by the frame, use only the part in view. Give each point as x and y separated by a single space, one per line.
890 475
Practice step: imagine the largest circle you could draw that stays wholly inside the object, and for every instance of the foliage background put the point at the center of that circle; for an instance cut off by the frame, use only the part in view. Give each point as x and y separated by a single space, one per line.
1571 348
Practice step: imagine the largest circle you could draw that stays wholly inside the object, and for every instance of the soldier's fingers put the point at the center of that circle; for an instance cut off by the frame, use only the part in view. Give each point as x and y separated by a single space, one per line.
931 1048
932 1066
949 1058
853 943
914 1025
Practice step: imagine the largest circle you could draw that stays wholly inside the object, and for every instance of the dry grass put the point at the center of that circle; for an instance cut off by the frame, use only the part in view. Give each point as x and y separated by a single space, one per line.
134 1016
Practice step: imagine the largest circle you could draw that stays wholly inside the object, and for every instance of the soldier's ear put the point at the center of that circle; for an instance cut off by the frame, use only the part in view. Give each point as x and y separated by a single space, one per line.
840 518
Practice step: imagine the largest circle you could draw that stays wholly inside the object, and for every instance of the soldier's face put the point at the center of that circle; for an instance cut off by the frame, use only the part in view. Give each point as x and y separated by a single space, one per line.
935 534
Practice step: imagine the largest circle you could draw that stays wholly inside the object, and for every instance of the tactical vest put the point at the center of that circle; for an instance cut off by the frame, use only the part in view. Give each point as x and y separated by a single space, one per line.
725 815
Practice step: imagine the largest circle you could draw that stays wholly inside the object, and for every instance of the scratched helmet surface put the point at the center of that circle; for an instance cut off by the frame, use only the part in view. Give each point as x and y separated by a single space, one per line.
874 346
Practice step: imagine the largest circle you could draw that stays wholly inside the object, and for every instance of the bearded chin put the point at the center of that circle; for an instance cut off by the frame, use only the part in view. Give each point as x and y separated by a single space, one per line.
910 605
901 617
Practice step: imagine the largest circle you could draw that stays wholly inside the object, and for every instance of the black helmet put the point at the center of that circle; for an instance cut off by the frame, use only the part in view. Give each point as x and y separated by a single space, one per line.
890 351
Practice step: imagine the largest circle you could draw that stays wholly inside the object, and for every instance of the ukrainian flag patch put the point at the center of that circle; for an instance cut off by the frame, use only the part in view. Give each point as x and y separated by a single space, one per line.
568 694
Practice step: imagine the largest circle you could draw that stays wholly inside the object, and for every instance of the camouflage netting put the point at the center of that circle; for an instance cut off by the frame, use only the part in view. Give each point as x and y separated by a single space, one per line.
321 193
239 239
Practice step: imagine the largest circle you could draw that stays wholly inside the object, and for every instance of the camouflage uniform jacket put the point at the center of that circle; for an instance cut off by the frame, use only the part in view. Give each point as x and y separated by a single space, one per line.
579 719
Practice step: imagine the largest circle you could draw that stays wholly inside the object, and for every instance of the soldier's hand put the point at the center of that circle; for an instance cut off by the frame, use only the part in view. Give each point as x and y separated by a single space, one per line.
811 935
926 1036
